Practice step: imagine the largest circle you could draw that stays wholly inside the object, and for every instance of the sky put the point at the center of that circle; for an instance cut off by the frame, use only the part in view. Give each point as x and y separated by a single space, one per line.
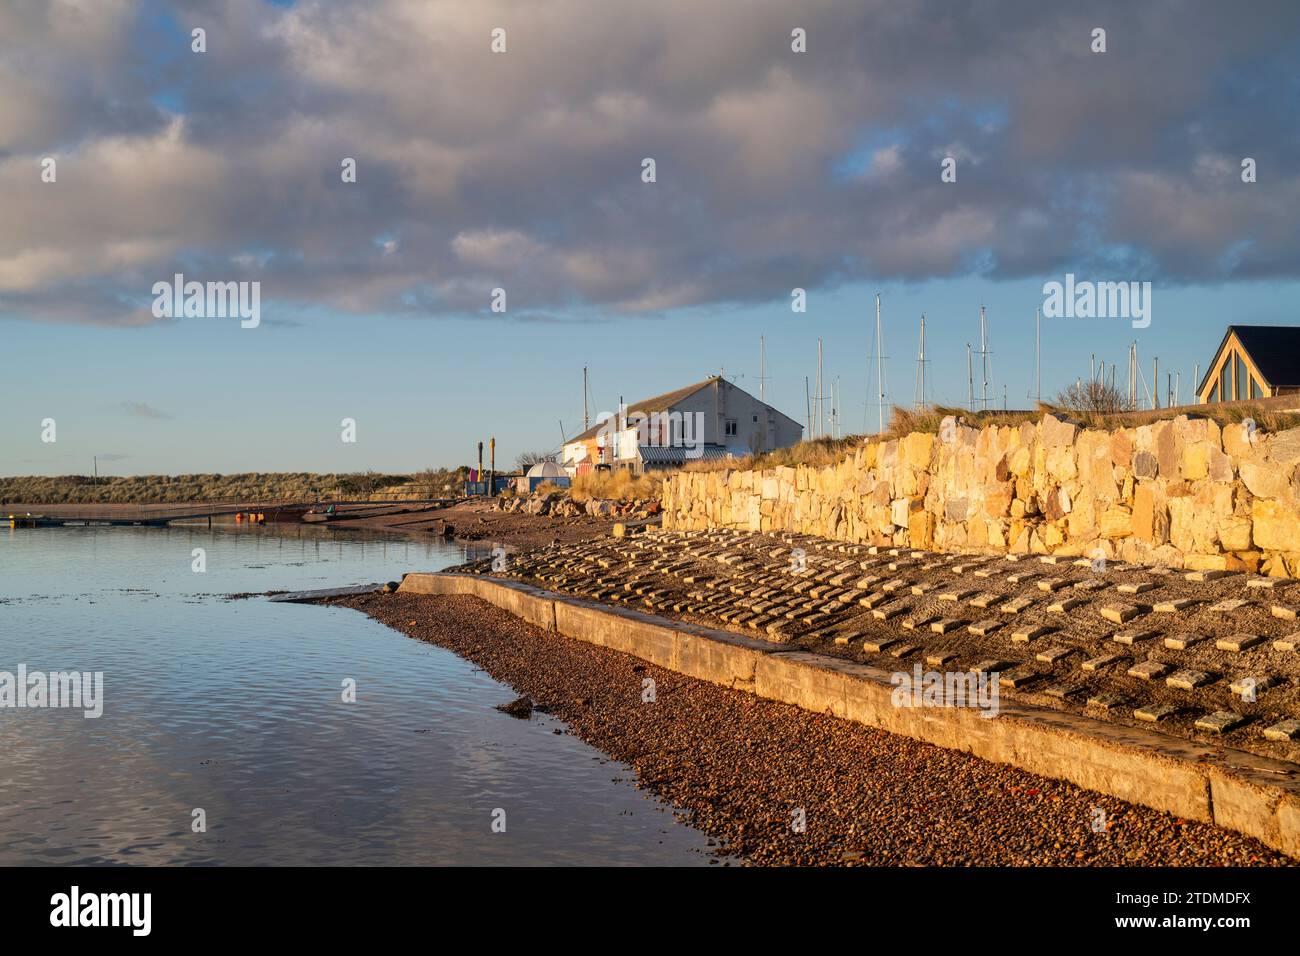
523 170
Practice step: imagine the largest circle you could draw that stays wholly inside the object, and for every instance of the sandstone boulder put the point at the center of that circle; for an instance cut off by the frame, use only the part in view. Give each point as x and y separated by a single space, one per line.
1058 431
1276 526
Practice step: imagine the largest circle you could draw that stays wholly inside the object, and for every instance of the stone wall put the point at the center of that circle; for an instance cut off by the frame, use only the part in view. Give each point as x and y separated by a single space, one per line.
1182 492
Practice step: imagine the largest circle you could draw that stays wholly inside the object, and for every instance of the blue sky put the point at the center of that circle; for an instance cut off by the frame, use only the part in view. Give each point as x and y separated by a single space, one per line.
423 392
522 171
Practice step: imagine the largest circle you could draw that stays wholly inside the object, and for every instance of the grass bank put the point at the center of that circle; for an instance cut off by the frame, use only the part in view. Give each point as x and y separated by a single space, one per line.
306 486
1270 415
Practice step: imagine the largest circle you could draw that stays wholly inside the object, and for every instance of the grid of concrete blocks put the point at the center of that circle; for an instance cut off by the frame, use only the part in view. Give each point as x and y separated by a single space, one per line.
1200 652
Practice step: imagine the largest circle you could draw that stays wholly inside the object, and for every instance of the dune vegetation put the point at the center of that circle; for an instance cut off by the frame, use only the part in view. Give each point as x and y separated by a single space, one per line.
261 486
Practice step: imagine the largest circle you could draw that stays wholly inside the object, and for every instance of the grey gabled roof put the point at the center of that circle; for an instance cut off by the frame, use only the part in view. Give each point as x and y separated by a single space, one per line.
660 403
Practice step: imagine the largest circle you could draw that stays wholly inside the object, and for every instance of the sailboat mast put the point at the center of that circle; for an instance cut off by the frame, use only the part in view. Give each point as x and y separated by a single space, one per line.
839 394
880 384
807 406
820 393
1038 355
919 398
984 357
970 380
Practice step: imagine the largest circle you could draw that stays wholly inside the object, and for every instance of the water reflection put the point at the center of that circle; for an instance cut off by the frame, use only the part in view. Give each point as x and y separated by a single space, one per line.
235 707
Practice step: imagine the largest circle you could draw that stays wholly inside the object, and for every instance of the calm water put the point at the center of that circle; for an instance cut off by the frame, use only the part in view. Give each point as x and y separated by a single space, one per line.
235 707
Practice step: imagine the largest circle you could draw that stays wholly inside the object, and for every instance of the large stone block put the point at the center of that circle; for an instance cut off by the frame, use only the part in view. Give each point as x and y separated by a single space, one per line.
900 511
1210 562
1234 533
1057 504
1116 522
1167 450
1265 479
1144 512
997 499
920 530
1196 461
1219 465
1121 448
1145 465
1061 463
1057 432
1284 447
1215 499
917 448
1237 441
1276 525
1192 430
956 509
1019 460
1185 528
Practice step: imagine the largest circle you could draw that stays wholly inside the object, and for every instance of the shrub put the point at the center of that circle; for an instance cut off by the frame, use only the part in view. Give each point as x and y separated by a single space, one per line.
617 485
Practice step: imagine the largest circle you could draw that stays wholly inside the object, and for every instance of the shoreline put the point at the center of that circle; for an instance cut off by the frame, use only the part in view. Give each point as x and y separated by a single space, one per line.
469 522
738 766
478 522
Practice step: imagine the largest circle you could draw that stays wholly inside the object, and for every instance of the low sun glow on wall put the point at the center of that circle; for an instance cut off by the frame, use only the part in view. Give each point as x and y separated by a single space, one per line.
1182 493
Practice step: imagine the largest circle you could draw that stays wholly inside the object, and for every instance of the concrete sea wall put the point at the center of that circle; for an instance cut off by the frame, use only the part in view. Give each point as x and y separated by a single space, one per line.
1254 795
1183 492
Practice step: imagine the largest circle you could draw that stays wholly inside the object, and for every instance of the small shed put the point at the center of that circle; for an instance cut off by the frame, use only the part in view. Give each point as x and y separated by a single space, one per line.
480 487
545 471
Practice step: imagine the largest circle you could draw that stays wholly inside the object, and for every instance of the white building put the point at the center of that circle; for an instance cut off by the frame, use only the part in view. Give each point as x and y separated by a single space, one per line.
711 419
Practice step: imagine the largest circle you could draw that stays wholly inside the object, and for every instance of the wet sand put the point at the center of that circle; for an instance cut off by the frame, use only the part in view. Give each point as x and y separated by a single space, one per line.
474 520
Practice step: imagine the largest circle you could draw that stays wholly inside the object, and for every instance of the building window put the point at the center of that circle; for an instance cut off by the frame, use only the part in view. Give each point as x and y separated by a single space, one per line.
731 427
1255 390
1240 377
755 419
1225 380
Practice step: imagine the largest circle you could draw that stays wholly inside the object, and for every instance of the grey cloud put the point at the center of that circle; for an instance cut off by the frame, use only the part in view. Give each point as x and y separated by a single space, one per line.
143 410
522 170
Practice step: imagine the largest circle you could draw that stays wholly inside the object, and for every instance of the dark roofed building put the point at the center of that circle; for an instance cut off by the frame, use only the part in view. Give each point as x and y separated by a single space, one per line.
1253 361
